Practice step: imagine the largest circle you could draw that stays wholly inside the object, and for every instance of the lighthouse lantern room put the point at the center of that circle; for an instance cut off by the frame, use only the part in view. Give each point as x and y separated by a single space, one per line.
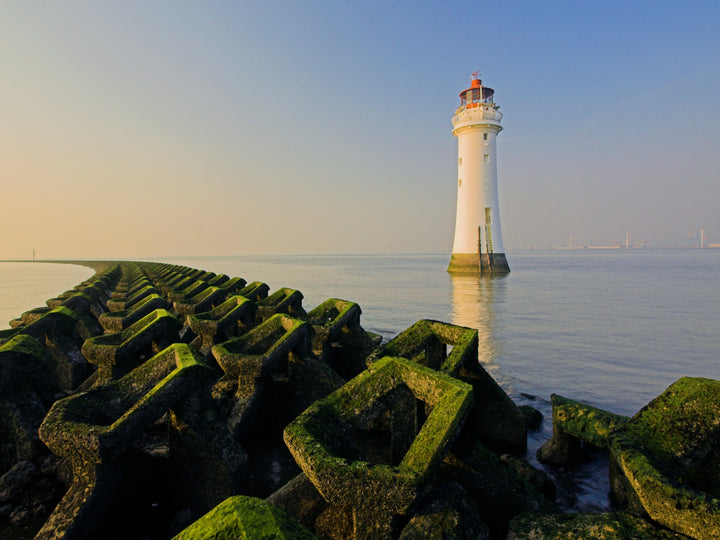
478 245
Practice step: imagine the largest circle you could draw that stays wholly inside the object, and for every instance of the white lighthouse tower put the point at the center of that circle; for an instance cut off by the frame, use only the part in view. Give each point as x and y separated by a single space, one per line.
478 245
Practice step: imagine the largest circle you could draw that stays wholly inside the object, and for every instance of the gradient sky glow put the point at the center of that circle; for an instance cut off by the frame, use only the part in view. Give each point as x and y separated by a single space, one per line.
149 129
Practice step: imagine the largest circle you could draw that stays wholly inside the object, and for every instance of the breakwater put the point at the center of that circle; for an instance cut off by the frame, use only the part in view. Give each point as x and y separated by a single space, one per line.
184 392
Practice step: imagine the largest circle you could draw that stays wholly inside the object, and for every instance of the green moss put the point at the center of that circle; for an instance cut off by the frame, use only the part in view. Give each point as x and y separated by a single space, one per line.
605 526
585 422
318 437
63 310
678 420
24 345
245 518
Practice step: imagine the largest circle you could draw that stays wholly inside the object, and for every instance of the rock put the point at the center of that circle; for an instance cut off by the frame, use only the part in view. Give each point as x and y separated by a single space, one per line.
533 417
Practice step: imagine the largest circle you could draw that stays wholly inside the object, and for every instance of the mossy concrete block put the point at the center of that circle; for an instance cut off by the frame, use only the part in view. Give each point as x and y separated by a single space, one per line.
206 464
21 409
574 422
300 500
97 425
426 342
669 453
339 339
128 302
602 526
284 300
321 441
500 489
267 351
116 354
334 316
177 282
82 508
588 423
258 353
203 301
446 512
234 285
335 523
14 325
64 365
234 316
257 290
245 518
537 478
94 428
495 419
58 322
19 356
664 461
192 289
217 280
117 321
32 315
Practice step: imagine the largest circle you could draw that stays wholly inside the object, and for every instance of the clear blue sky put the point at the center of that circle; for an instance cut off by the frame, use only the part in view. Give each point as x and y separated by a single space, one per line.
141 129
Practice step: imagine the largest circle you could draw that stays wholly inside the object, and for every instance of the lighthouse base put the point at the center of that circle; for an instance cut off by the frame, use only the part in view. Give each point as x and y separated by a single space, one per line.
485 264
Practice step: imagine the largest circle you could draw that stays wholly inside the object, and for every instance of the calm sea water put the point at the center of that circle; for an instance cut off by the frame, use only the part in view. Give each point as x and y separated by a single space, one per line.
26 285
610 328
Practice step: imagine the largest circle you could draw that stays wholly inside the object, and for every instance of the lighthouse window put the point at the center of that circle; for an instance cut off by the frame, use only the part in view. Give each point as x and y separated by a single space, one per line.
459 182
484 136
460 161
486 157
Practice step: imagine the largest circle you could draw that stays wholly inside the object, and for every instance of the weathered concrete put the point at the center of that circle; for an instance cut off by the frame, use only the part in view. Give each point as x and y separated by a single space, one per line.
321 441
245 518
495 419
233 317
119 353
664 461
93 429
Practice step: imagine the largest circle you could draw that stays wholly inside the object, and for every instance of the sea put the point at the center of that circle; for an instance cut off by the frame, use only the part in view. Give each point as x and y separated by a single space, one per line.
610 328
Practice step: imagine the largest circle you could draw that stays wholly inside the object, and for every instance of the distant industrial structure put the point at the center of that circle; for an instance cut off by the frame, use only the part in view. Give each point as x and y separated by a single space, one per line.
478 245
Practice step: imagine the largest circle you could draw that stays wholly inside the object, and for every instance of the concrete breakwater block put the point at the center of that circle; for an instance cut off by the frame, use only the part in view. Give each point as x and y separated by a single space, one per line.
203 301
117 354
664 461
93 429
117 321
245 518
495 419
234 316
323 440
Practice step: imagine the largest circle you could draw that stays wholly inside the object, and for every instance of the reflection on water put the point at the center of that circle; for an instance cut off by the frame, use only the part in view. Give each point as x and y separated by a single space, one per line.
476 302
479 302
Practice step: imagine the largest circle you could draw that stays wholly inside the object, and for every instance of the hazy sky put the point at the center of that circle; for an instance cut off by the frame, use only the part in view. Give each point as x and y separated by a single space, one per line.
147 129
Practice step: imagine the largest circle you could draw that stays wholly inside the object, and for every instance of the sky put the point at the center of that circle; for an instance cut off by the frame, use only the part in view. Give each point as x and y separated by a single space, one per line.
142 129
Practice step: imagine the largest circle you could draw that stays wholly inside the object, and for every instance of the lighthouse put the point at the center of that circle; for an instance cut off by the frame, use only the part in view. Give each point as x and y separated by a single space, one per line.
478 246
